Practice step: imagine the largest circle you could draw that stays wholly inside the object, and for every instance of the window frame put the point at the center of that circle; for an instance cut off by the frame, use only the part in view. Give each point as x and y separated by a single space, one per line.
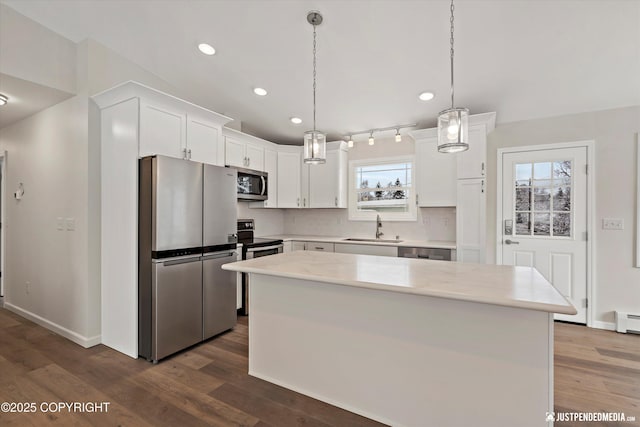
357 215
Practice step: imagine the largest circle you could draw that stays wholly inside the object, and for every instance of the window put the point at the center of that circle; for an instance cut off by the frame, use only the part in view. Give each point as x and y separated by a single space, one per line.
382 187
543 199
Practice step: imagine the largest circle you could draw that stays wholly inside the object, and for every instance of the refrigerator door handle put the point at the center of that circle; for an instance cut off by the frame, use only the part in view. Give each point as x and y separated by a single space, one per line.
220 255
180 260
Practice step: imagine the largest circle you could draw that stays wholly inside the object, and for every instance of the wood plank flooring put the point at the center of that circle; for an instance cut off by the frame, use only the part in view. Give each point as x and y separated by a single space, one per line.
208 385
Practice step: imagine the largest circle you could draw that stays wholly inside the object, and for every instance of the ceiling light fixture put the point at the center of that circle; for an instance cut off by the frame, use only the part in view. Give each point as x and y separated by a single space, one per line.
296 120
315 143
426 96
453 123
259 91
398 137
3 99
207 49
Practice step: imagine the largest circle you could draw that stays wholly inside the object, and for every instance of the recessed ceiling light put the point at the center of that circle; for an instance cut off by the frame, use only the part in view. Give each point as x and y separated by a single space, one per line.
259 91
426 96
296 120
3 99
207 49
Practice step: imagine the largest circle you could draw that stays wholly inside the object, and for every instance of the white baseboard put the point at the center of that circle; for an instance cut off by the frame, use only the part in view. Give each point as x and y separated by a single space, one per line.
609 326
85 342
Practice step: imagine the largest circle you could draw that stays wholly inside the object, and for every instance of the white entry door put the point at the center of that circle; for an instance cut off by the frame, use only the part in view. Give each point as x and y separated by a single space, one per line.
544 219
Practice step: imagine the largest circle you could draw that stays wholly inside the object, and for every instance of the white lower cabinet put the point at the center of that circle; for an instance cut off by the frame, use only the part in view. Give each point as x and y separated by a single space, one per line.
350 248
471 220
319 246
298 246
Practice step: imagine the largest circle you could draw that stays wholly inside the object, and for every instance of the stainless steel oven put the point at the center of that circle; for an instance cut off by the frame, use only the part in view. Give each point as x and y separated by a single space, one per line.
253 248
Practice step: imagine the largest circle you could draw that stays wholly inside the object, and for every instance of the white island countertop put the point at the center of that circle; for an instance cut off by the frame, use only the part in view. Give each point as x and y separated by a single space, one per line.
521 287
438 244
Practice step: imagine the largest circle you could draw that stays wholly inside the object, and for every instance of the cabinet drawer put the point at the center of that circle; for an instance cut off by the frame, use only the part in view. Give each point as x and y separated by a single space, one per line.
319 246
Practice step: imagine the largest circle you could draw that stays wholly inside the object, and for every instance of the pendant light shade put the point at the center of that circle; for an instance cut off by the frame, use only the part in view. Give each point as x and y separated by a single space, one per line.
453 130
315 142
453 123
315 147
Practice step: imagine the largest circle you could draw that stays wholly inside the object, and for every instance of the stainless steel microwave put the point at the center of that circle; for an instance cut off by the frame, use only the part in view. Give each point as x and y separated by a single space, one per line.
252 184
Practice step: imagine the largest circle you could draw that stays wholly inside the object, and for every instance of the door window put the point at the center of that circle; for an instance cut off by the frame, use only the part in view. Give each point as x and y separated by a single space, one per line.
542 202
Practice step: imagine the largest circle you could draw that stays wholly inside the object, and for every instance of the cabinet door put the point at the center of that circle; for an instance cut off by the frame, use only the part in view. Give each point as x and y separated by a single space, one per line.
319 246
435 175
255 157
289 164
472 163
327 182
202 142
162 131
471 220
298 246
234 153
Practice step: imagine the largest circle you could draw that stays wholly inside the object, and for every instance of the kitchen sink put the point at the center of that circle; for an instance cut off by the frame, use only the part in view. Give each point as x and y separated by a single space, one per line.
351 239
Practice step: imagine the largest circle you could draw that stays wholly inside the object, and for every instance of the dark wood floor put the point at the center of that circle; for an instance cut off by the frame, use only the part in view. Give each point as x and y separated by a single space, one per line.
208 384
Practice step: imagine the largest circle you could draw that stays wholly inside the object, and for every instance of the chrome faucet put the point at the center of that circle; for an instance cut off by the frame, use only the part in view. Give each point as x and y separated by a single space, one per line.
379 233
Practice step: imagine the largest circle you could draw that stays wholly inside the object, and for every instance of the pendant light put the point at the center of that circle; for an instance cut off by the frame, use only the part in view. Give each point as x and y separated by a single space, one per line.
453 123
315 143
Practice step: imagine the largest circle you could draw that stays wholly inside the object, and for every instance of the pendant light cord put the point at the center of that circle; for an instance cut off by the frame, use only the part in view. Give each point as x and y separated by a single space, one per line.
314 78
451 41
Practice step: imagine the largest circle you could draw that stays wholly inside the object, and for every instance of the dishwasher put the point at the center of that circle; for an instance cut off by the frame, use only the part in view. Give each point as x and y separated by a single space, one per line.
427 253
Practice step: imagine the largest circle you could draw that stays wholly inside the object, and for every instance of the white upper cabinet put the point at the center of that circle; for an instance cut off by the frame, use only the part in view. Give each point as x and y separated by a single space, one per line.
169 126
204 142
473 162
471 220
162 130
289 177
328 181
244 151
435 171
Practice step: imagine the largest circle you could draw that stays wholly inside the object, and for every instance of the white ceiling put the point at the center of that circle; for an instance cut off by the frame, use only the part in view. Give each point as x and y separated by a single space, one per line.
523 59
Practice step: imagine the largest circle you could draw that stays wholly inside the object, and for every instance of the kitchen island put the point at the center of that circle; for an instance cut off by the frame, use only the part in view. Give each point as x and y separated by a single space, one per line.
406 342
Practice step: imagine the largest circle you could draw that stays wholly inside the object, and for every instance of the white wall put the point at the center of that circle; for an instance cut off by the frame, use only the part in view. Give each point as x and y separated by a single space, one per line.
431 224
617 283
35 53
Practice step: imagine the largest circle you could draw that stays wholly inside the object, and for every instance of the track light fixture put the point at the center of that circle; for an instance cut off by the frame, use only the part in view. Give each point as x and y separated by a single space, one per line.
372 141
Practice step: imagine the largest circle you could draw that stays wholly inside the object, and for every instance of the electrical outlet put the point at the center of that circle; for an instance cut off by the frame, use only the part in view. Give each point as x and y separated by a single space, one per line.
445 222
59 223
612 224
71 224
426 220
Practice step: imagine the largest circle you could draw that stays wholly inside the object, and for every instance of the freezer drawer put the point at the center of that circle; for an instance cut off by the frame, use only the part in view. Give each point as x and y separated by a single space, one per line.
176 305
219 294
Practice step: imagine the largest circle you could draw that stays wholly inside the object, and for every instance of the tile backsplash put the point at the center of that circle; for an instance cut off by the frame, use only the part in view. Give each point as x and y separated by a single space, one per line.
432 224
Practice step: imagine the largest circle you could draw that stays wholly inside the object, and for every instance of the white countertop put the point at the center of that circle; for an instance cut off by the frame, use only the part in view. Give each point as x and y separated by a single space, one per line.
439 244
520 287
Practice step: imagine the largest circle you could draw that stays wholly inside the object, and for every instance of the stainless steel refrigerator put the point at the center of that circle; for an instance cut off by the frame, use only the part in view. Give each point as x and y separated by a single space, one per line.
187 230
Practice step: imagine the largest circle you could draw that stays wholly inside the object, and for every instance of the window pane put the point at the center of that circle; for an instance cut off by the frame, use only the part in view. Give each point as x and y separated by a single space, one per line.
523 172
541 226
561 224
562 169
562 199
542 170
383 187
523 199
542 199
523 223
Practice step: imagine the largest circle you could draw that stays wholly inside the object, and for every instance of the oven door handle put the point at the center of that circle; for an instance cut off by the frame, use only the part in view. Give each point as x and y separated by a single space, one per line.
265 248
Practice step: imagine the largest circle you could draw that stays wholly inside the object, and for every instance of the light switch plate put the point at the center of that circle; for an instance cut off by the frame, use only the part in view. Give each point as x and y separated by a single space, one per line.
71 224
59 223
612 224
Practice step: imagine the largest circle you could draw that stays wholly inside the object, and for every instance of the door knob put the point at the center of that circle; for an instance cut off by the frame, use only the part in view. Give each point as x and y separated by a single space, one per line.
511 242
